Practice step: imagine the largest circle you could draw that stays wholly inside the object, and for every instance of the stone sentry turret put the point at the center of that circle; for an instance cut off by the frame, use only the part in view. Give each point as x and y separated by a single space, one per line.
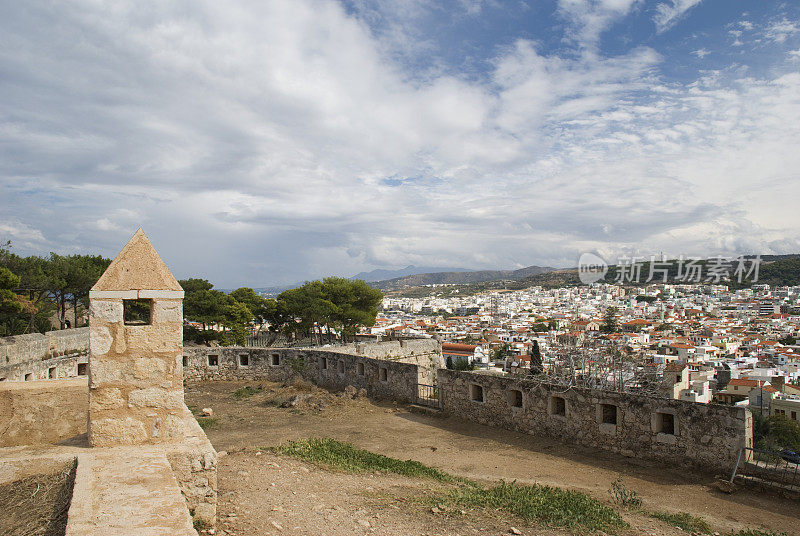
136 346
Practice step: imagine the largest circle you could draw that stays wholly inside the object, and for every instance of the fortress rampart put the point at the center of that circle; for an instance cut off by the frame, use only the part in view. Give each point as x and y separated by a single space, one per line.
42 356
708 436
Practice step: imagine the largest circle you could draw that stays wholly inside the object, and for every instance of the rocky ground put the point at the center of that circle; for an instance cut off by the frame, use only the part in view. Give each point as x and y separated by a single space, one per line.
262 493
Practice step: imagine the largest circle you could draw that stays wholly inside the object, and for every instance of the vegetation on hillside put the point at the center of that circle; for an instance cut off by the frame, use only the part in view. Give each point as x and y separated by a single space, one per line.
774 270
346 457
573 510
34 289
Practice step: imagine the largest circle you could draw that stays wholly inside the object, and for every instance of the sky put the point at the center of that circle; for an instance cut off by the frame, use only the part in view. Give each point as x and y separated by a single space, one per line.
268 142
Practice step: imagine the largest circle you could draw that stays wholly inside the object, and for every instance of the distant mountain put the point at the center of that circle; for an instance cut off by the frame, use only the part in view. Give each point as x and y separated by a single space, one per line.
383 275
459 277
775 270
274 291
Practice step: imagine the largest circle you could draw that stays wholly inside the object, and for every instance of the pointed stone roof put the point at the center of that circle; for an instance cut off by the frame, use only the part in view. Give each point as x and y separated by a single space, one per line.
137 267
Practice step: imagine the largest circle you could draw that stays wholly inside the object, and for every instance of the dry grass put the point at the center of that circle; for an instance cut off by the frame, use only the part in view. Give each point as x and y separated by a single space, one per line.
37 505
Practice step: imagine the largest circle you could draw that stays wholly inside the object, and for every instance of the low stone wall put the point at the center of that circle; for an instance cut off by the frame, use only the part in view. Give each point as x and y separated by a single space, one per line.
69 366
334 369
41 356
22 348
672 431
194 465
42 412
425 353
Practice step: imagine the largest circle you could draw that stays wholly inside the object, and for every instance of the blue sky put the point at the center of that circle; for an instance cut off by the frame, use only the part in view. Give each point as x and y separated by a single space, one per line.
268 142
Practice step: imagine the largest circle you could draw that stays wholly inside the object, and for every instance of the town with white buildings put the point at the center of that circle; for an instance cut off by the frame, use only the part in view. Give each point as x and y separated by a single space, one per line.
700 343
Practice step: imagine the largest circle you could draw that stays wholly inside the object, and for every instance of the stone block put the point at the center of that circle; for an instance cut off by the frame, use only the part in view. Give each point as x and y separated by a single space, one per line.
112 431
110 311
167 311
100 340
108 398
154 397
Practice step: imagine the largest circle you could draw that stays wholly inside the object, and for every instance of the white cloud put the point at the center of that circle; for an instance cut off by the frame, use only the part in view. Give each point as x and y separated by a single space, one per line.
21 235
701 53
779 31
794 55
670 12
273 141
590 18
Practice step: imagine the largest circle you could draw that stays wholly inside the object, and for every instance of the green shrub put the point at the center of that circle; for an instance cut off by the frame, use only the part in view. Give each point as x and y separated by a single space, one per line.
207 423
684 521
621 495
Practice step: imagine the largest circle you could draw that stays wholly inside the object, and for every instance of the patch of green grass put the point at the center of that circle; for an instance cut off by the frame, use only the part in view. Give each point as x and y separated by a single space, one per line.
572 510
246 392
207 423
684 521
346 457
756 532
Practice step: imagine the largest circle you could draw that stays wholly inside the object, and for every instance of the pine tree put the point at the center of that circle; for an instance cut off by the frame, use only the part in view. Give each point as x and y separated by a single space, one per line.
536 358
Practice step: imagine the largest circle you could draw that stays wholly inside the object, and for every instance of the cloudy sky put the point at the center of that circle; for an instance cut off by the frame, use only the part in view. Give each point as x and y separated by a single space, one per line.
267 142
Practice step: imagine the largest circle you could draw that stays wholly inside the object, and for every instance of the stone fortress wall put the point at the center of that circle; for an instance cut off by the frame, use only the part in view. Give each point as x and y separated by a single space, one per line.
703 435
142 463
673 431
660 429
42 356
389 369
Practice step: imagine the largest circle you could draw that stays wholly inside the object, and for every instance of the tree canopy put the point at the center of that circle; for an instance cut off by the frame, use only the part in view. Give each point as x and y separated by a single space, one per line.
34 289
333 303
43 286
333 307
610 324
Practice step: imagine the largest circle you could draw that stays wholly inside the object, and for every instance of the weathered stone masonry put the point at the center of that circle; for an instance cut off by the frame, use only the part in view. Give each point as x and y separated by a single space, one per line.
673 431
136 371
42 356
386 370
704 435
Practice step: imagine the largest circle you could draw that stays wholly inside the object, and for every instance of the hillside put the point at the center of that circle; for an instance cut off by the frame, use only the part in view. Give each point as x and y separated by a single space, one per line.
384 275
459 278
775 270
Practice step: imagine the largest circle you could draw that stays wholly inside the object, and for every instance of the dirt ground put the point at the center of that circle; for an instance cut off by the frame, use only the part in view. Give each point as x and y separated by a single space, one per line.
265 494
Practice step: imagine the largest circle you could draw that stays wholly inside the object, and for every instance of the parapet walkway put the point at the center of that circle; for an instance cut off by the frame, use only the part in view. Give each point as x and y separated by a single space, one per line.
127 490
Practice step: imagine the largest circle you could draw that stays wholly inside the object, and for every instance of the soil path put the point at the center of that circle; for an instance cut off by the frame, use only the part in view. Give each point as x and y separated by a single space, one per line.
480 452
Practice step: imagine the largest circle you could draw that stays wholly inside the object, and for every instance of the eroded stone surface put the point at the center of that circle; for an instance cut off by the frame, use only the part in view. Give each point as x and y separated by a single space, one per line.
135 362
129 491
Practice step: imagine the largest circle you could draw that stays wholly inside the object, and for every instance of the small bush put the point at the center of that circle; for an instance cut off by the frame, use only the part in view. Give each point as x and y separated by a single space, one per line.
621 495
277 401
301 385
246 392
463 364
684 521
200 525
